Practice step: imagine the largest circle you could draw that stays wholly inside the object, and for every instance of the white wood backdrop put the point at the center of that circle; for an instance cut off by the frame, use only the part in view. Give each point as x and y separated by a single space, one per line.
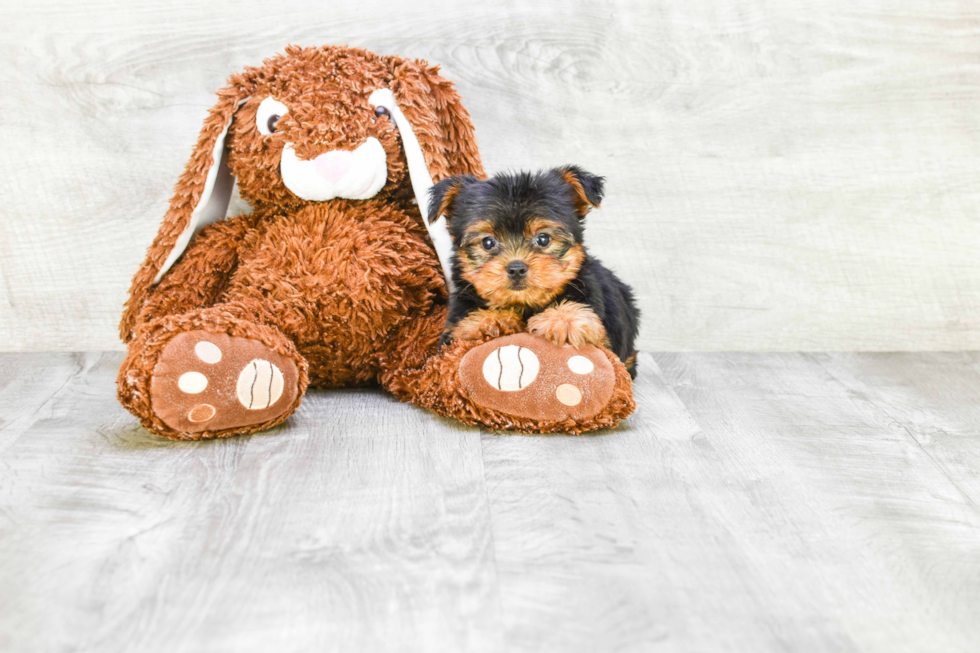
802 174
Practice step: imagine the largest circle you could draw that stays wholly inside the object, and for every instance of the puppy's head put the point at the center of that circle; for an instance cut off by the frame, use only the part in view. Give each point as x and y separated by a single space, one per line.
518 237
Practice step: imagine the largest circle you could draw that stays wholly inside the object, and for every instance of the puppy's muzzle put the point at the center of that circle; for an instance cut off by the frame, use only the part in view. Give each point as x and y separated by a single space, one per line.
517 273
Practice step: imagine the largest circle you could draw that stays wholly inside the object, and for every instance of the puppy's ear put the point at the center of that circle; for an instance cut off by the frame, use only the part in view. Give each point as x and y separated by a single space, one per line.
587 188
443 194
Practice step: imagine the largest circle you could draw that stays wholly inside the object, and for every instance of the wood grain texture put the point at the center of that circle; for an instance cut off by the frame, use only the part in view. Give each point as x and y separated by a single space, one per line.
782 176
361 525
754 502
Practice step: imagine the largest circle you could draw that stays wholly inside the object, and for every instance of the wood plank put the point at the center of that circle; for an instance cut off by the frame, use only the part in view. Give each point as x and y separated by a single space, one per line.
853 529
750 505
361 524
27 388
934 397
574 522
781 176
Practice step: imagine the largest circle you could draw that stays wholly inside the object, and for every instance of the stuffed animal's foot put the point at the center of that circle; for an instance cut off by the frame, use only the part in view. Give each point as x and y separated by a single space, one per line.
214 382
529 376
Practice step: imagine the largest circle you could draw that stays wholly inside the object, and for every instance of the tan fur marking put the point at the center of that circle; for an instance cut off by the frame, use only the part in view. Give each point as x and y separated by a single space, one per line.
478 230
631 362
569 323
447 200
537 225
582 204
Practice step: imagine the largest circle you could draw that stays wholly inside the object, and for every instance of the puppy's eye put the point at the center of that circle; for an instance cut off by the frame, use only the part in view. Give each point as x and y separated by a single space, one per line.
381 111
542 240
488 243
268 115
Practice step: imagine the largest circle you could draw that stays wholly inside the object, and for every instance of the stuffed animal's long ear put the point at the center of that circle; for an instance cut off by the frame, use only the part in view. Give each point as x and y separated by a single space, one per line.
201 197
587 188
436 134
436 113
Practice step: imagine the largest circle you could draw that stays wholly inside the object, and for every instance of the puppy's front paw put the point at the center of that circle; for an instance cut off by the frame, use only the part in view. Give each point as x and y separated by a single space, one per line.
486 324
569 323
445 339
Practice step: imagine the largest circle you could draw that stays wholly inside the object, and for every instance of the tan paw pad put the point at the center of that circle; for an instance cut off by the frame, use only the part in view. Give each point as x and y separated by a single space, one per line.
259 385
192 383
568 394
201 413
208 352
580 365
511 368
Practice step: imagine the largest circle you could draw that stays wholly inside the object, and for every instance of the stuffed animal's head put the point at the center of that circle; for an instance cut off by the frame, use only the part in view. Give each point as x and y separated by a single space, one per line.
307 131
313 125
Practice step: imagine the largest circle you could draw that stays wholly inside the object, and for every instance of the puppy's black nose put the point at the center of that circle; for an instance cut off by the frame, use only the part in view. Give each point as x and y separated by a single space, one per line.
516 270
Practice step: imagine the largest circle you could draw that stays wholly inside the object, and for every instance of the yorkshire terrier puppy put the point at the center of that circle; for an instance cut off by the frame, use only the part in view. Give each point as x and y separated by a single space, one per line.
519 261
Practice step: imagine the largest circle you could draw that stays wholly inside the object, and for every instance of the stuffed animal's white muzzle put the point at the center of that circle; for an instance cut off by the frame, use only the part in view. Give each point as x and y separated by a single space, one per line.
353 175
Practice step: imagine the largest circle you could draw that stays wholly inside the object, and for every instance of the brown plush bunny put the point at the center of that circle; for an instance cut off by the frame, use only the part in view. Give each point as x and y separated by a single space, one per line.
332 279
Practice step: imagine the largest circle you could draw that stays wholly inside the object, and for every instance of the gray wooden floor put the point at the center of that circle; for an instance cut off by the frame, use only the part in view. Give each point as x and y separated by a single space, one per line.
755 502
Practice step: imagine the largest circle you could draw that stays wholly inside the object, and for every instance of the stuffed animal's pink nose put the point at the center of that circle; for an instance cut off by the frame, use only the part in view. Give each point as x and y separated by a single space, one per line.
332 166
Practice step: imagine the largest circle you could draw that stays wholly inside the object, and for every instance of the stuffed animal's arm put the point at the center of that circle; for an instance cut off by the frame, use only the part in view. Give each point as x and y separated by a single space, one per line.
196 279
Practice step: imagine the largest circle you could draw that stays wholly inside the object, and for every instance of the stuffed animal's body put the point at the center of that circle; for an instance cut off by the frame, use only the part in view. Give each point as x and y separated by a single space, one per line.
332 279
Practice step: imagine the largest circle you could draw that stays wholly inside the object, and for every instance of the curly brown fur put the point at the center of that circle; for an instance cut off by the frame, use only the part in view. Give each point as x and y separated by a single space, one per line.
518 245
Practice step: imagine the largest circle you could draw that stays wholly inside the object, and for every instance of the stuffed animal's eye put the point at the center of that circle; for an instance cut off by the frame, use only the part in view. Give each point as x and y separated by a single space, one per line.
381 111
488 243
268 115
542 240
